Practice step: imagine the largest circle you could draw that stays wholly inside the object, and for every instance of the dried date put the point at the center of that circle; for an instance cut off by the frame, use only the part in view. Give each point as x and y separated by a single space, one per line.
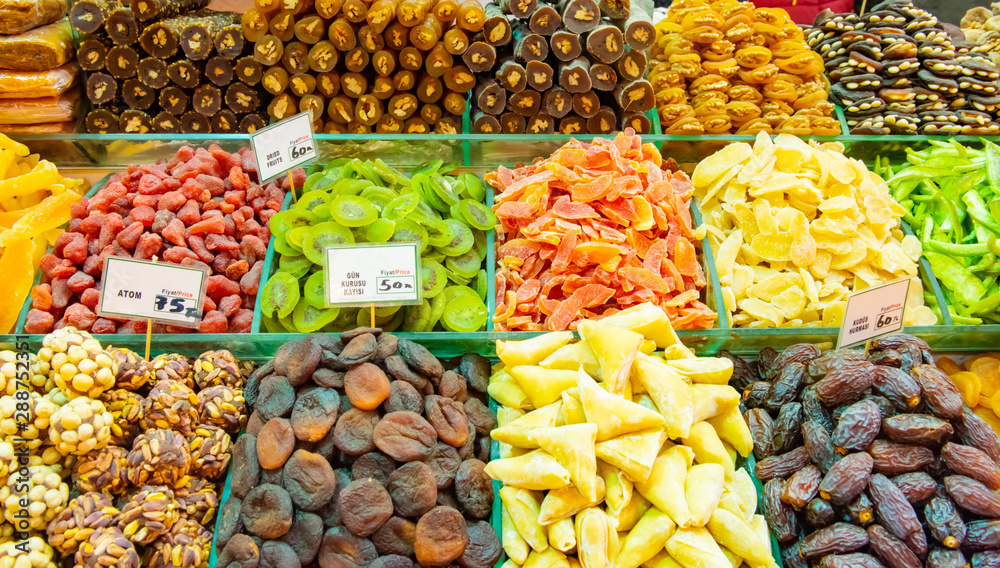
846 479
819 445
890 549
971 462
846 382
755 394
921 429
786 386
743 373
939 393
896 514
917 486
788 428
780 517
973 496
891 458
814 411
861 510
838 538
857 427
982 535
782 465
802 486
801 353
853 560
762 431
897 386
986 559
944 522
974 431
946 558
820 513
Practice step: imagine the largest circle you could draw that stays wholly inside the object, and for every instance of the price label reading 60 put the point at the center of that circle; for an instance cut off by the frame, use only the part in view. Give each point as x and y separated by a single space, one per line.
302 150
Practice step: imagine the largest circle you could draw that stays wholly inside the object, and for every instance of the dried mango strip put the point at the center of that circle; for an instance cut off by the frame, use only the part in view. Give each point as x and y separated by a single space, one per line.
796 227
594 229
19 271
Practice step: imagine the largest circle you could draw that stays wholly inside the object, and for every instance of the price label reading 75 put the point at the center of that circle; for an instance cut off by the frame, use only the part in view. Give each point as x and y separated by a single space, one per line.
187 306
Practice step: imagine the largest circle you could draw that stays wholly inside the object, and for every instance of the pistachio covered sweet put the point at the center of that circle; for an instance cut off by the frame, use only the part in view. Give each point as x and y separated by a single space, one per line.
170 405
104 470
125 407
80 426
211 449
223 406
105 548
76 363
198 500
83 516
149 515
159 457
187 544
42 495
218 368
134 372
173 366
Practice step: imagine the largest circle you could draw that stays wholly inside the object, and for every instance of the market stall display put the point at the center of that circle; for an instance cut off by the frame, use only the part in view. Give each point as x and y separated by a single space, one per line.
369 202
111 478
594 229
895 69
978 380
732 68
35 202
574 67
980 26
38 78
588 473
362 449
165 67
947 191
789 248
388 67
201 208
869 458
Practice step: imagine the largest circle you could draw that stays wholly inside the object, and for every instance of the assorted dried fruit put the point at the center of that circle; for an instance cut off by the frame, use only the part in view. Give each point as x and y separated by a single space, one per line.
369 202
588 473
796 227
202 208
978 383
732 68
332 470
580 234
876 479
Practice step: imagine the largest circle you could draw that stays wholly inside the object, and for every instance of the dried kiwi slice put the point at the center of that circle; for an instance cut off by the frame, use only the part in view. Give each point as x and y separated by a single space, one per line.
460 280
462 241
443 189
439 233
314 290
279 296
380 231
433 278
466 265
416 318
473 187
409 232
438 304
423 186
434 255
285 221
364 318
475 213
315 203
346 320
479 244
464 313
379 196
308 319
281 245
350 186
294 236
481 284
401 206
271 325
294 264
353 210
318 237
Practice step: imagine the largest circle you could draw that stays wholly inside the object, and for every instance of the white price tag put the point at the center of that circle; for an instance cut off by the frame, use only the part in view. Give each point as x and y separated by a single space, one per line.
138 289
366 274
283 146
874 312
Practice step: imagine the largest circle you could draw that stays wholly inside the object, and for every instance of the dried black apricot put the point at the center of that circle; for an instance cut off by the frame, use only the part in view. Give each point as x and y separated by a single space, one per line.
276 397
267 511
405 436
395 536
484 546
278 554
309 480
354 432
374 465
413 489
245 471
314 413
474 489
305 536
444 462
341 549
364 506
404 397
448 419
441 537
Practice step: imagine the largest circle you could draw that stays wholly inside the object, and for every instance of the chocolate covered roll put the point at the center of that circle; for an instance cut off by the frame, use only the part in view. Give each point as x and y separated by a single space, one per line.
565 45
138 96
225 122
603 121
229 42
241 99
102 88
483 123
101 121
557 103
121 26
540 123
544 20
586 104
135 121
122 62
580 16
605 43
184 74
490 97
92 54
153 73
512 123
574 76
572 124
529 46
195 123
174 100
511 76
525 103
480 57
219 70
540 75
88 16
248 71
252 123
166 123
497 30
632 65
603 77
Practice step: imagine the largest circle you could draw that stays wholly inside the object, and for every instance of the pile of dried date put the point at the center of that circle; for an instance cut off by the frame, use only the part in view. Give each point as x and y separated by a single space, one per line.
871 461
362 450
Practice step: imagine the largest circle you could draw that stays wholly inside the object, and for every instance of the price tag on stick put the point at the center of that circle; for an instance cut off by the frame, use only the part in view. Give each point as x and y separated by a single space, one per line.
165 293
370 275
874 312
283 146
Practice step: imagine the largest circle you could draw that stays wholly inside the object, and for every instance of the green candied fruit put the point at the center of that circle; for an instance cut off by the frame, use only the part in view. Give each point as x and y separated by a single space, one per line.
474 187
480 244
433 277
380 231
401 206
285 221
308 319
464 313
439 233
294 236
465 265
416 318
353 210
475 214
409 232
314 291
323 235
379 196
314 203
279 296
281 245
462 241
294 264
481 284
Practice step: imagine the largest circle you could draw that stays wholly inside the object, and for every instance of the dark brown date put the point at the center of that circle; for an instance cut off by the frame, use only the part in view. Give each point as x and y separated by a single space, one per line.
820 513
788 428
846 382
890 549
782 465
780 517
857 427
904 341
821 365
755 394
946 558
853 560
762 431
973 496
945 524
982 535
938 392
897 386
974 431
838 538
921 429
765 362
819 445
790 557
801 353
861 510
786 386
802 486
971 462
743 372
814 411
885 407
986 559
895 513
891 458
918 486
846 479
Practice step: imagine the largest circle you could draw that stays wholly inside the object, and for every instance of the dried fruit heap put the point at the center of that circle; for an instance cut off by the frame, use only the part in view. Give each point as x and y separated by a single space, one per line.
871 460
392 476
795 227
594 229
200 208
978 381
980 26
731 68
618 493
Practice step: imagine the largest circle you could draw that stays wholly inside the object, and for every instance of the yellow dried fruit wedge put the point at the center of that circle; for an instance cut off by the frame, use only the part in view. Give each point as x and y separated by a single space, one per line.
969 385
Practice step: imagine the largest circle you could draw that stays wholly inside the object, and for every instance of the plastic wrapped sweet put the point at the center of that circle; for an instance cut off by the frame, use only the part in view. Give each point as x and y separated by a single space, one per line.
42 109
40 49
35 84
44 128
17 16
